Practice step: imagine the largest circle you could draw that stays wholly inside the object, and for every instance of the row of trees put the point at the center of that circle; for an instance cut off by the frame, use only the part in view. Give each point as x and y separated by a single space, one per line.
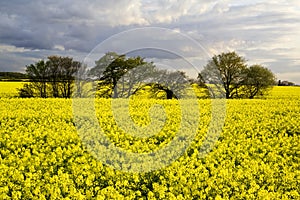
51 78
120 77
237 79
285 83
12 76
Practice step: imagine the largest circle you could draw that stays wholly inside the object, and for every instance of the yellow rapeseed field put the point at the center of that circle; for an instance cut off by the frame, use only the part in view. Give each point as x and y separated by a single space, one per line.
257 155
9 89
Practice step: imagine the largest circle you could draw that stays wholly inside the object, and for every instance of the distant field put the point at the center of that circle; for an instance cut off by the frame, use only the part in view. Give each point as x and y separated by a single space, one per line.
9 89
285 92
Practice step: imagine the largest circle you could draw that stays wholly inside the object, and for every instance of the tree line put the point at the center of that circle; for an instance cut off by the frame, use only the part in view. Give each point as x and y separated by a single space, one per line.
51 78
236 78
118 76
121 77
12 76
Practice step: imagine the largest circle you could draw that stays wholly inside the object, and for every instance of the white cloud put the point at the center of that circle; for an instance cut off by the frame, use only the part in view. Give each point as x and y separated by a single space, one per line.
10 48
161 11
126 12
59 47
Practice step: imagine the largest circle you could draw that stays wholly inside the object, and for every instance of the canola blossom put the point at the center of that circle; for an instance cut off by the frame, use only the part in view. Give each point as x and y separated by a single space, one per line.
9 89
257 155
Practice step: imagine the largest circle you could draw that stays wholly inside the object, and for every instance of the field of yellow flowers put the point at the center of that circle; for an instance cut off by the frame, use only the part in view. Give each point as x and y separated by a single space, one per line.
10 89
257 155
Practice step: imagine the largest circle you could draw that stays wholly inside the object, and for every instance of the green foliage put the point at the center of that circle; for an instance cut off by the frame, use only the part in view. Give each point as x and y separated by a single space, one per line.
110 71
102 64
51 78
12 76
61 75
26 91
38 75
237 80
257 81
166 85
227 69
121 77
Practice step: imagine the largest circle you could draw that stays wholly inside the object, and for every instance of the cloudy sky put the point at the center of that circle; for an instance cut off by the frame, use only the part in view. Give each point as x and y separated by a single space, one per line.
264 32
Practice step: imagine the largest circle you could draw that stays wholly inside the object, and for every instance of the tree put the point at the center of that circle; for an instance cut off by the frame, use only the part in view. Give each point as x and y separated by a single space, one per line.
121 77
15 76
200 89
102 64
166 84
174 84
68 70
38 76
257 81
61 75
136 78
53 65
237 79
26 91
200 81
53 78
285 83
114 76
227 69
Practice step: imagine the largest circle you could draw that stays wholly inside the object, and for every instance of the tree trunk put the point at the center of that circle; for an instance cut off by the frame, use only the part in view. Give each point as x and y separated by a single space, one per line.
115 89
227 94
170 94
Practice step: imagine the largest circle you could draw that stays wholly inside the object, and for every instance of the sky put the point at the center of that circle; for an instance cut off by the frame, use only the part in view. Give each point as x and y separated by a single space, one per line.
263 32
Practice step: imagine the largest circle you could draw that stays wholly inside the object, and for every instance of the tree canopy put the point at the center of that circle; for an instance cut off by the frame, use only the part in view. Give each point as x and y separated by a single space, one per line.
121 77
14 76
237 80
227 68
51 78
257 80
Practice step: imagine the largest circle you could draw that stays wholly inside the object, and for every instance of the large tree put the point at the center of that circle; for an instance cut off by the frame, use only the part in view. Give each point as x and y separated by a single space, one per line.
101 65
119 76
136 78
54 66
172 83
61 75
257 81
165 84
38 74
226 69
51 78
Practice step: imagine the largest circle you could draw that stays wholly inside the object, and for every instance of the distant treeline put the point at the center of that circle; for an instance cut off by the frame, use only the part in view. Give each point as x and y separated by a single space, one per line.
285 83
12 76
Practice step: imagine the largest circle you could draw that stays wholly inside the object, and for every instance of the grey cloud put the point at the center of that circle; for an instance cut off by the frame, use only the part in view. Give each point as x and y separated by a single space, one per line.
152 53
259 30
42 24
